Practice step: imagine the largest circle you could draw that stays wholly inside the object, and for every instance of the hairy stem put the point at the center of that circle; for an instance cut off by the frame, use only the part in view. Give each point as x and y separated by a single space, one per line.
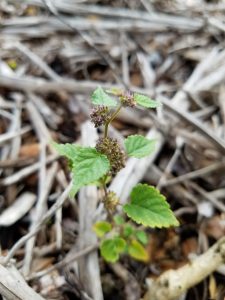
104 186
110 216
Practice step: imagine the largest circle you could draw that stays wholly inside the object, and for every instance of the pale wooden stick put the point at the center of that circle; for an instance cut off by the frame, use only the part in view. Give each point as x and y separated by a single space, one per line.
14 287
88 198
60 201
173 283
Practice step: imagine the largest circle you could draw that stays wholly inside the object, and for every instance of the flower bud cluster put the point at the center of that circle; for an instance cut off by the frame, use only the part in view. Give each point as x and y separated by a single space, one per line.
112 150
127 99
111 201
100 115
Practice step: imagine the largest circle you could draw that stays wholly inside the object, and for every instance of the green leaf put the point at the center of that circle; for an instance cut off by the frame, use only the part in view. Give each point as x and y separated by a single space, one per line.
118 220
146 101
137 251
88 165
138 146
149 207
128 230
99 97
98 182
70 151
142 237
111 248
101 228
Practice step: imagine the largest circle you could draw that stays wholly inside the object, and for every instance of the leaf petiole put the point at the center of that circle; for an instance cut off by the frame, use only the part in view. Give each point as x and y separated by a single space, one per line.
111 119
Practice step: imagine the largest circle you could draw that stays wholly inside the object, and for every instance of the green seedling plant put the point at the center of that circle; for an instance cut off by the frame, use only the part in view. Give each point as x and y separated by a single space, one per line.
147 206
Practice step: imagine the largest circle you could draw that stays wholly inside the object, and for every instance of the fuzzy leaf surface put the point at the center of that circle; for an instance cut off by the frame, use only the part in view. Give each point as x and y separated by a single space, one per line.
138 146
99 97
101 228
149 208
112 248
145 101
137 251
70 151
88 165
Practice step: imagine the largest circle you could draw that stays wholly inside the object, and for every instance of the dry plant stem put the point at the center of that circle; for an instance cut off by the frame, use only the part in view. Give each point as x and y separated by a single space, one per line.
88 198
216 140
14 287
51 7
217 203
172 284
15 147
18 209
170 165
194 174
37 61
156 20
58 228
60 201
40 209
5 137
40 206
64 262
44 187
18 176
132 288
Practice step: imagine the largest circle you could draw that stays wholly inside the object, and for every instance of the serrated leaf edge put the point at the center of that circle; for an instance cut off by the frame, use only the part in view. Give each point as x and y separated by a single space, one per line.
99 87
176 222
158 103
137 135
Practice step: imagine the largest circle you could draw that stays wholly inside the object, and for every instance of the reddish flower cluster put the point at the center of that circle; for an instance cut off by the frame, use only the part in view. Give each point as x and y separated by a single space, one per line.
127 99
100 115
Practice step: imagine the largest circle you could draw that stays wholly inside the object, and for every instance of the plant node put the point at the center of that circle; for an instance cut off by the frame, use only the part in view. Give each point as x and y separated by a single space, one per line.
111 201
127 99
112 150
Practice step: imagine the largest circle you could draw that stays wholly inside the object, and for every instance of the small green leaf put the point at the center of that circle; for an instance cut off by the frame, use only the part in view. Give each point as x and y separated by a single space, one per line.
149 207
101 228
120 244
99 97
142 237
112 248
146 101
88 165
128 230
118 220
137 251
12 63
139 146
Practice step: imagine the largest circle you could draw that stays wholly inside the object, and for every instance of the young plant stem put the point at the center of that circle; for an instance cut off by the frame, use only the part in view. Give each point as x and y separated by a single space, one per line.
111 119
104 186
110 216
